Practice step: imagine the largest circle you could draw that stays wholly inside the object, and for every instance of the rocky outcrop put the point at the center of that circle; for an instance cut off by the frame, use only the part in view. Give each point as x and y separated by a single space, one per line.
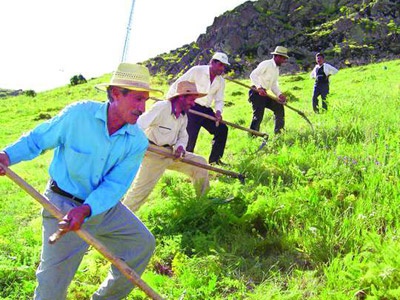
10 93
347 31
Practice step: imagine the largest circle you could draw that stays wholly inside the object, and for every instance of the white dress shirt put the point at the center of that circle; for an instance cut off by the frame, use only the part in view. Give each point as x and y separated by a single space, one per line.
328 70
162 127
201 76
266 76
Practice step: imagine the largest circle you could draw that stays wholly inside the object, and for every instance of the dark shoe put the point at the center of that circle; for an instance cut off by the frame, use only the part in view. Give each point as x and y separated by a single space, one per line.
218 162
279 131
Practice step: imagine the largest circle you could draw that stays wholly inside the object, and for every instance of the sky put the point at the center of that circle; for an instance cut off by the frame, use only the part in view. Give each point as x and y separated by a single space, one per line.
46 42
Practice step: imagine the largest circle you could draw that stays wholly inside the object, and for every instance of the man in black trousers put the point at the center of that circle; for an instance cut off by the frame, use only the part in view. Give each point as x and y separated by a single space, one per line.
321 73
209 80
264 78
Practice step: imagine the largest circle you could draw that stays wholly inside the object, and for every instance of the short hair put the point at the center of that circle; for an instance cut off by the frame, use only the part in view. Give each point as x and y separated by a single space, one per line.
109 88
320 54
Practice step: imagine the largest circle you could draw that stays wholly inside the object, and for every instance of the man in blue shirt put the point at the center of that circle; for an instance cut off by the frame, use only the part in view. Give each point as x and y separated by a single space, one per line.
98 149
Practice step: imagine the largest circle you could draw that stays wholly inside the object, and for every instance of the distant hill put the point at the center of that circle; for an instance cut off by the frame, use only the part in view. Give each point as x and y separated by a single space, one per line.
347 31
8 93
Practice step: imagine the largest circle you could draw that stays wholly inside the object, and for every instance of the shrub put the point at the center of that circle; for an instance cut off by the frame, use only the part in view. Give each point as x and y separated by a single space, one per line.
77 79
30 93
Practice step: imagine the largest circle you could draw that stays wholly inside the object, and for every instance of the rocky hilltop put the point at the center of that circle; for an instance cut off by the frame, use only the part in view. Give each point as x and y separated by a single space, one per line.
347 31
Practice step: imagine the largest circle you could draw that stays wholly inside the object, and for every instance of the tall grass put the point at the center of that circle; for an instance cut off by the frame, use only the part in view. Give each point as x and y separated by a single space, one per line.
317 217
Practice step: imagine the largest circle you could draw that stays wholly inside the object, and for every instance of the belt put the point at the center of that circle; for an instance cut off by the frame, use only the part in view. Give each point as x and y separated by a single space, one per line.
165 146
54 187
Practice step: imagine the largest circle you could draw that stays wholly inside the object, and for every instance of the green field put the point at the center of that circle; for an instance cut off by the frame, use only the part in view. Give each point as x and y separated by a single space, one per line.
317 218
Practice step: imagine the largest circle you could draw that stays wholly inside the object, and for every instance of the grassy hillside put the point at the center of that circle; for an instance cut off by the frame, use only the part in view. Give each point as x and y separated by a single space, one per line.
317 218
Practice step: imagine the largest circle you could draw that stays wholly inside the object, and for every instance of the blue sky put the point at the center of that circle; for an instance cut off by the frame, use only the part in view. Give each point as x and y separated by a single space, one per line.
46 42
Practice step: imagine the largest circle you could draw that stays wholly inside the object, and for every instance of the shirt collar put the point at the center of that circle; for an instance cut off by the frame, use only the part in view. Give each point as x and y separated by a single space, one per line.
101 114
274 63
173 108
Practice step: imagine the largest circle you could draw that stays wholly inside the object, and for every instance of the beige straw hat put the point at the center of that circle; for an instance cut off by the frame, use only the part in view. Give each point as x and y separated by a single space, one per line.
282 51
186 88
130 76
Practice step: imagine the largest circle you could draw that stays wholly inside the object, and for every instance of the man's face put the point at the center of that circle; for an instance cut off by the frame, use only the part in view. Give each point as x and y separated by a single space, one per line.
279 60
129 105
319 59
217 67
187 102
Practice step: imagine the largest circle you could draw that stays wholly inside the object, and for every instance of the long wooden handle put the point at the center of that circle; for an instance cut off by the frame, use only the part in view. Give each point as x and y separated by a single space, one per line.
250 88
255 132
273 99
120 264
268 96
154 149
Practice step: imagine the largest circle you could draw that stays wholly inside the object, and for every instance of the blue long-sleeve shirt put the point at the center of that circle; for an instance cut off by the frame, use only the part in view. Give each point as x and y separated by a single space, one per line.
88 162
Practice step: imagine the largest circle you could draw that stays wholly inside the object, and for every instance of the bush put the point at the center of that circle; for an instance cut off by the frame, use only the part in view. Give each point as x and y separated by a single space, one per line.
77 79
30 93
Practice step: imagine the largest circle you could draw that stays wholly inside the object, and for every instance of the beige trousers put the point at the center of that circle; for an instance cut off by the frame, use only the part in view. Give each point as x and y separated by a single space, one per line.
154 166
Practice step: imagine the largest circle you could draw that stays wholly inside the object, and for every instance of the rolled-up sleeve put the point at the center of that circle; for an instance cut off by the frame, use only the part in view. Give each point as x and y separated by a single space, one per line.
329 70
183 136
219 95
266 76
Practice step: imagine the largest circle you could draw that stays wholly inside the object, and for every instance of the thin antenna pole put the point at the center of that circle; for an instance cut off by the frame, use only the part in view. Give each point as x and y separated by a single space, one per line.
128 31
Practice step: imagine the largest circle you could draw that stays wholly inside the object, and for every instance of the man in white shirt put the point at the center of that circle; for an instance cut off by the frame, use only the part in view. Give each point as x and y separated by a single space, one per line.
321 73
165 126
208 80
263 78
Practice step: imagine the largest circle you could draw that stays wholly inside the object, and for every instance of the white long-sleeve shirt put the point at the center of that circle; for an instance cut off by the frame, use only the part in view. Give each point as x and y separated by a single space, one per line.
162 127
200 75
328 70
266 76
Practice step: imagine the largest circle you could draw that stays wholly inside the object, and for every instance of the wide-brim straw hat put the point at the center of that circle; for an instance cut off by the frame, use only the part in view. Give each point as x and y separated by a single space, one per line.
131 77
282 51
186 88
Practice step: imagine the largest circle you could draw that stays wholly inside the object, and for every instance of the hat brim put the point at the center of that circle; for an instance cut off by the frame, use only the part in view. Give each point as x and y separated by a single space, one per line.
103 87
224 62
199 95
281 54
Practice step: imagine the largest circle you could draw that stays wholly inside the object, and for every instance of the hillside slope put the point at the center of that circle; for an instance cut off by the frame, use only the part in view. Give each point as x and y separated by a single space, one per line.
349 32
317 217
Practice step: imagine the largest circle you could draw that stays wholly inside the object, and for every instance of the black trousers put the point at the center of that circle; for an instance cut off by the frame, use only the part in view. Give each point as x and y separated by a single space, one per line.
320 89
220 133
259 103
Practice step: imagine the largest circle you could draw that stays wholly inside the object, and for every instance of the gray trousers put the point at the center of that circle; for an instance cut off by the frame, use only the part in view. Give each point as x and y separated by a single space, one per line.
118 229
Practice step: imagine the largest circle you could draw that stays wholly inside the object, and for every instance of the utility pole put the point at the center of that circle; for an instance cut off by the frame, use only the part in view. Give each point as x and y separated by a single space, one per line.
128 32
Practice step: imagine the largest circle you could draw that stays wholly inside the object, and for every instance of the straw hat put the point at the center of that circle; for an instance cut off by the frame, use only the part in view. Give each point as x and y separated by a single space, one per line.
186 88
130 76
282 51
222 57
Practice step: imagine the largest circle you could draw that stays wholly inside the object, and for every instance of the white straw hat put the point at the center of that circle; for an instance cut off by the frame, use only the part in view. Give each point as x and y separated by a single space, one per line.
130 76
282 51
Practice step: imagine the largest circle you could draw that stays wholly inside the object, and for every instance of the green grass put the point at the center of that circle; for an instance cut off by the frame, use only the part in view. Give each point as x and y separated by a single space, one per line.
317 217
